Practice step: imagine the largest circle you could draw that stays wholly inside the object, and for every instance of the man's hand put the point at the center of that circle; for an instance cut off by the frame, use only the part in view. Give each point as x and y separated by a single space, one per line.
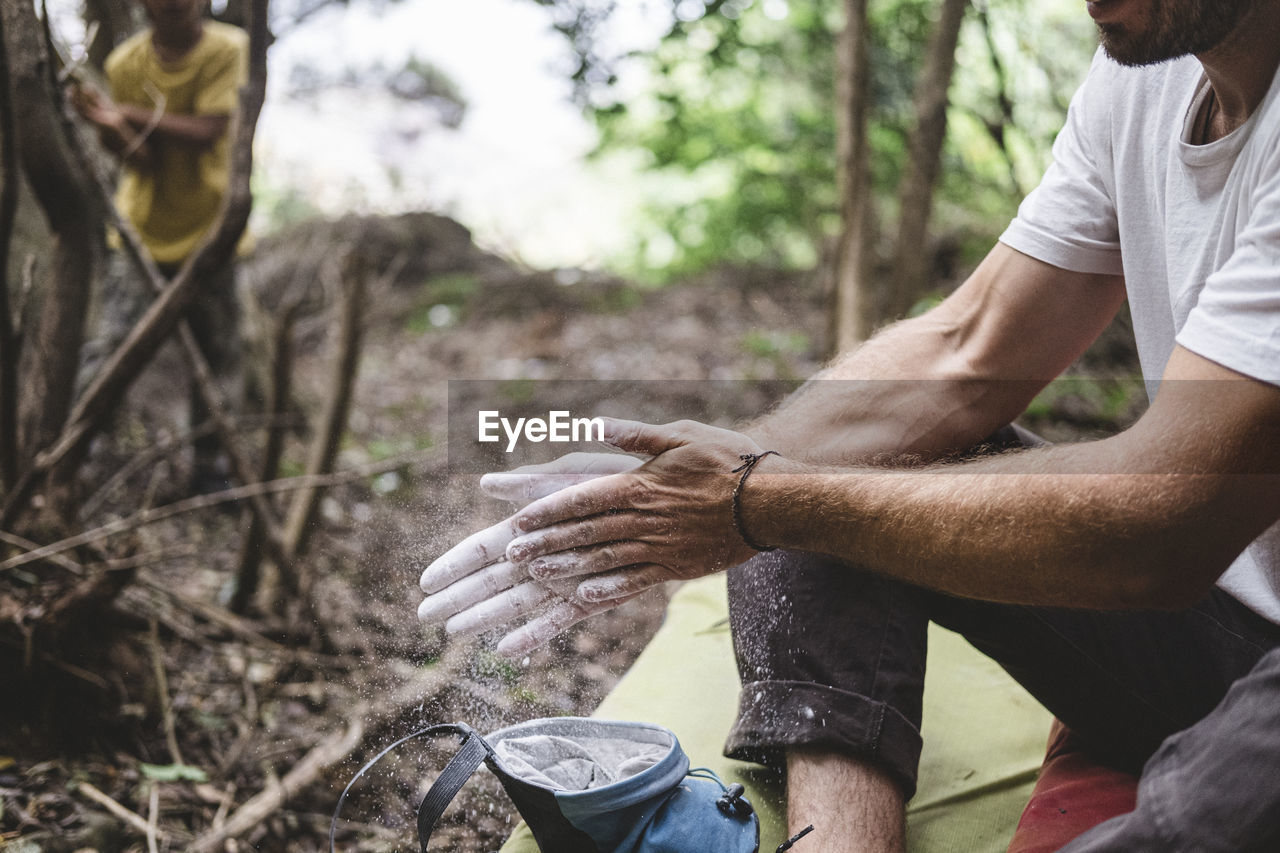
472 587
625 523
669 519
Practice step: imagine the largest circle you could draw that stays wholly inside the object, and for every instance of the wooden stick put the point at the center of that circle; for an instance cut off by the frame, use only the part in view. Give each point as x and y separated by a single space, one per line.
334 420
162 691
27 545
153 815
239 493
132 818
333 749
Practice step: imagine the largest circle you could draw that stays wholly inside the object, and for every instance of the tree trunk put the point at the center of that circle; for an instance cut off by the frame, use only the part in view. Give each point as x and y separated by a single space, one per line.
115 22
924 160
64 192
8 337
854 313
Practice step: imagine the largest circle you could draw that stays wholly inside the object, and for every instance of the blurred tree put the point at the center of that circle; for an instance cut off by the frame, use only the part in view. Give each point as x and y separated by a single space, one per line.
853 315
114 21
740 96
417 81
924 160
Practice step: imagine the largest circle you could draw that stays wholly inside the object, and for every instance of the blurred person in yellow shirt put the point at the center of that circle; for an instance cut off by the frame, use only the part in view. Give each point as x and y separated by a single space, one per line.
173 92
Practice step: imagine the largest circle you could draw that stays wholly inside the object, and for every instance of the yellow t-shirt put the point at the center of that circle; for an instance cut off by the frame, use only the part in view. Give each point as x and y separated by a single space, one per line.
175 202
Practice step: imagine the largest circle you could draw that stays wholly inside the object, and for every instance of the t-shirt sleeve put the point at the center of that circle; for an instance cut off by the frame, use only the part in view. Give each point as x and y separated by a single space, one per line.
221 79
1069 221
1236 321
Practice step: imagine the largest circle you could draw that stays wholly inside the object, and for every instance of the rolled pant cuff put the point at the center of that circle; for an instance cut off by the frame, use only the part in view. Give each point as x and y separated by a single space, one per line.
774 716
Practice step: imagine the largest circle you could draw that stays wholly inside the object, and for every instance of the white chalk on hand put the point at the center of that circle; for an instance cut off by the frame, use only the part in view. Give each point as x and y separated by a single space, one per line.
475 552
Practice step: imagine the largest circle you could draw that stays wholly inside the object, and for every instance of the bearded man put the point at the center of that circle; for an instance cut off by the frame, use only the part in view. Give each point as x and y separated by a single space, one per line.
1132 584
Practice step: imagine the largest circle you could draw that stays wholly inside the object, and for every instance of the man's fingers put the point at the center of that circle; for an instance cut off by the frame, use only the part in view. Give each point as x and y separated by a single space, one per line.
544 628
477 550
592 498
530 482
622 583
587 561
581 533
501 609
470 591
650 439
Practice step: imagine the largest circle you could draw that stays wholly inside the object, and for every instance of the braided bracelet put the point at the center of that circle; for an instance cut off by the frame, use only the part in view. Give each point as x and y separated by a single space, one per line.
749 462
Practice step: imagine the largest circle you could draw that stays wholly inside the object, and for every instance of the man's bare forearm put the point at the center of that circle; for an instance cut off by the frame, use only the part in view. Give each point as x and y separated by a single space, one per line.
1145 519
944 381
901 393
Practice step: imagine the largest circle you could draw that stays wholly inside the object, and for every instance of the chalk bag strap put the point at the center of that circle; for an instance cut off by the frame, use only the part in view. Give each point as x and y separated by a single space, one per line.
471 754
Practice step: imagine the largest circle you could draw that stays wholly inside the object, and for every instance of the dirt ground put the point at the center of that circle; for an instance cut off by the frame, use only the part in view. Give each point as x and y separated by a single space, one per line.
182 713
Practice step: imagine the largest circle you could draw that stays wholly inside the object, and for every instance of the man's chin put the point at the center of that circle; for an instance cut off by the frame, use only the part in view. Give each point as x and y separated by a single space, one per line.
1121 47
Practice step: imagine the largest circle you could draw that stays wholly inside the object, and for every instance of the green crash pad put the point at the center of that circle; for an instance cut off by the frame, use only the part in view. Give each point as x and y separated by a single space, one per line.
984 736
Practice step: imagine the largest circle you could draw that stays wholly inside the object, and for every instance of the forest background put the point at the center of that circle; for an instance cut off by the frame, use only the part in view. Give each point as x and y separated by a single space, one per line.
754 185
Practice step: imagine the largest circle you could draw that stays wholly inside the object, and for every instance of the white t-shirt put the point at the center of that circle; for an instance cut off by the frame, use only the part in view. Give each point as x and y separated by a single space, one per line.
1194 229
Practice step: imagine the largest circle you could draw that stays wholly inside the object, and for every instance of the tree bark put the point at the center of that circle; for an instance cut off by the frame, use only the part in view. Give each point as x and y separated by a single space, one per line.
65 194
8 337
854 313
115 22
924 160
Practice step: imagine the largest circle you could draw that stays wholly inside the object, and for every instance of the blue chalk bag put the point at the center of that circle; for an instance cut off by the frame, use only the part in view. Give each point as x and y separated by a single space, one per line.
593 786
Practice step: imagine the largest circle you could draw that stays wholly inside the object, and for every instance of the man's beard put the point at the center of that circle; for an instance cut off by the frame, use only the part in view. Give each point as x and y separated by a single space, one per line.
1176 28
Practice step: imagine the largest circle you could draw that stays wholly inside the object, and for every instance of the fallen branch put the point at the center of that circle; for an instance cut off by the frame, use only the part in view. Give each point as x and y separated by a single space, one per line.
27 545
153 816
265 803
132 818
239 493
331 751
165 446
162 693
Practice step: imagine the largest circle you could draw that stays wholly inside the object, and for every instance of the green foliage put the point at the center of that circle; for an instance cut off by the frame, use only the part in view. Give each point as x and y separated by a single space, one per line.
441 302
732 107
736 118
777 349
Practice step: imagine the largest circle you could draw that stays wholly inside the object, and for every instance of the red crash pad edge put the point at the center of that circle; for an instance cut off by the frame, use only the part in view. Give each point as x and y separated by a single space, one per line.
1072 795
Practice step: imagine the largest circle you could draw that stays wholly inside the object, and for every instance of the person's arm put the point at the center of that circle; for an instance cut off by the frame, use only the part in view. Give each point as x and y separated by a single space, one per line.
116 133
1149 518
944 381
1146 519
195 131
